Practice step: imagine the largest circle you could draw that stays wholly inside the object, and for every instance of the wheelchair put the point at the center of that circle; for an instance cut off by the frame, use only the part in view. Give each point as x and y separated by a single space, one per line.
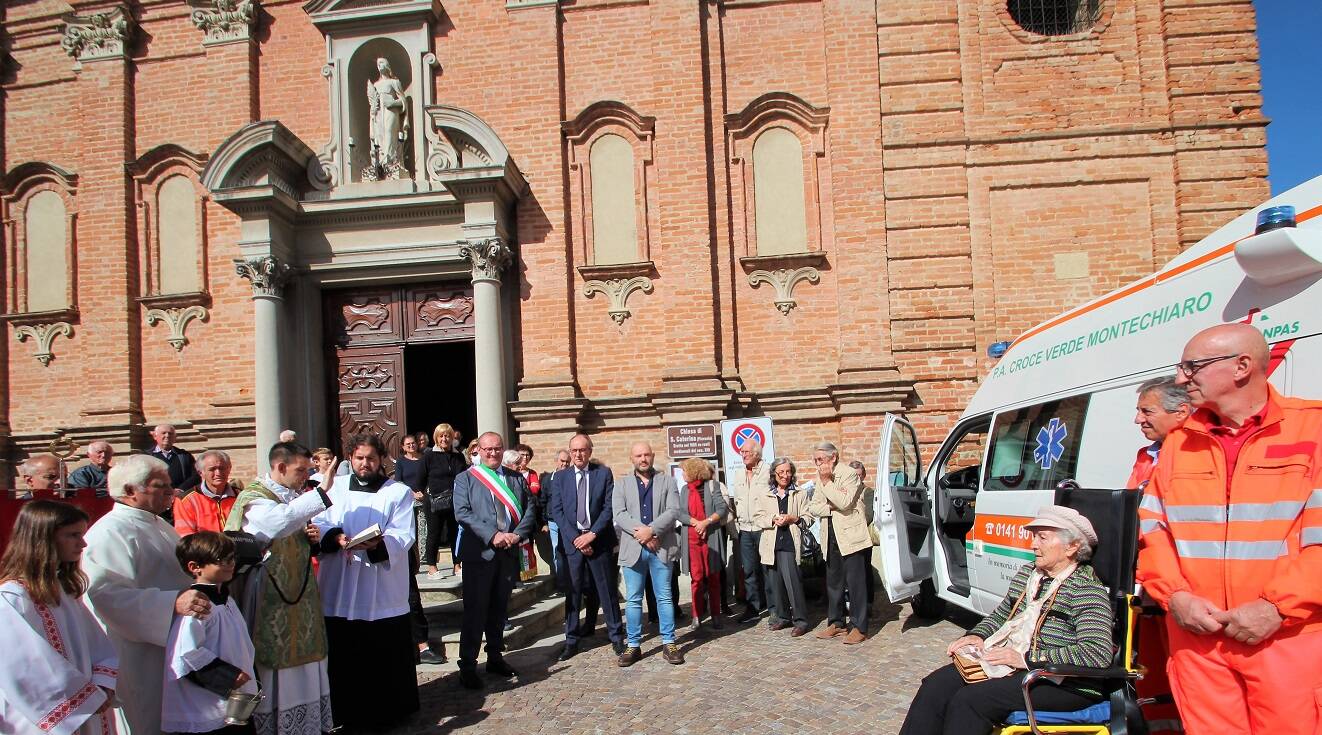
1114 515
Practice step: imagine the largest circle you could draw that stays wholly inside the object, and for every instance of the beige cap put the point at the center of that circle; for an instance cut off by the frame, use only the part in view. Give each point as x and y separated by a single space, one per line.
1058 516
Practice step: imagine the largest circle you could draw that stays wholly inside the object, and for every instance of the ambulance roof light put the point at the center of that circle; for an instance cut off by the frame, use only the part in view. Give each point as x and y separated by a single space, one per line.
996 350
1273 218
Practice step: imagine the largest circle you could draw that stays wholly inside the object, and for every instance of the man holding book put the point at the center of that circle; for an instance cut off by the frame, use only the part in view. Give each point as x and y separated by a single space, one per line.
494 510
366 535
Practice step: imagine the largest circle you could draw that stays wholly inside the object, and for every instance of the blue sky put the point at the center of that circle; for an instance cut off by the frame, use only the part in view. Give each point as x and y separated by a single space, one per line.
1288 41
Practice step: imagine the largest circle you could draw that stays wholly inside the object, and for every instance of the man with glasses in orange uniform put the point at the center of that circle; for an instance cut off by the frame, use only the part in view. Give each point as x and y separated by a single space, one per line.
1231 544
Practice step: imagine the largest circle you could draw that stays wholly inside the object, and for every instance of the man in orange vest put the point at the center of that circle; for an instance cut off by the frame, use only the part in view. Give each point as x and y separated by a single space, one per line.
1162 407
1231 544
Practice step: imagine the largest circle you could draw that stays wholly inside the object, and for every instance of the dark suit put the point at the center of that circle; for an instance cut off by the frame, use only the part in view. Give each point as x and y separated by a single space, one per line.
596 571
183 469
489 573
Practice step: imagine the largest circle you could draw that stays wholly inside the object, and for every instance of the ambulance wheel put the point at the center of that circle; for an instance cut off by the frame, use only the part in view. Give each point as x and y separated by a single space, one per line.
926 604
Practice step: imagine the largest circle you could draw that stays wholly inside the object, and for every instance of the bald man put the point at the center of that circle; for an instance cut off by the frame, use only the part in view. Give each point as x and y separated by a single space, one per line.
1231 543
39 472
182 466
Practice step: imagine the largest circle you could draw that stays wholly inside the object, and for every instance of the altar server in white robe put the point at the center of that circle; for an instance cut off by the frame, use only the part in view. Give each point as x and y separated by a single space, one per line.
282 598
135 586
366 592
59 670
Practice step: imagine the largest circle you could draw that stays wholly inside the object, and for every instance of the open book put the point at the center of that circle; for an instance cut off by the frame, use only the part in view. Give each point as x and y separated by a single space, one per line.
367 534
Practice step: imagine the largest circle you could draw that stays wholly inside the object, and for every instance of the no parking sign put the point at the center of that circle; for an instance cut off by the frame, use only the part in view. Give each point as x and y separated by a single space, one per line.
735 433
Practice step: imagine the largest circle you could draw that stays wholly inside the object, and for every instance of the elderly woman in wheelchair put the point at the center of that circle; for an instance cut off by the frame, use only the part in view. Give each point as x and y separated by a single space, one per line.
1056 612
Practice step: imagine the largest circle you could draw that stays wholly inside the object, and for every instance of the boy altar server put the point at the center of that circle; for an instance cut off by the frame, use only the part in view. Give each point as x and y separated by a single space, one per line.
206 658
365 592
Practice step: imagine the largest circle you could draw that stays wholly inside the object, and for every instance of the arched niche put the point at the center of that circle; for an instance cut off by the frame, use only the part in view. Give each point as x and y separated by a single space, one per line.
362 72
40 218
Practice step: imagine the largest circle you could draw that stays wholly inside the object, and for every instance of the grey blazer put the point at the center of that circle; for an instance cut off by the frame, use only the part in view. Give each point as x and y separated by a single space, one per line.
666 511
475 511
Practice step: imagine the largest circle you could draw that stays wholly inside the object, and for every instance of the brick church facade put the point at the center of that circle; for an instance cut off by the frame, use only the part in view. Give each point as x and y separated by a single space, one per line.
541 216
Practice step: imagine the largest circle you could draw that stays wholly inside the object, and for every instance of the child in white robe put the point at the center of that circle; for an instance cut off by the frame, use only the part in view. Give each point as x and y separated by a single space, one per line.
60 669
205 659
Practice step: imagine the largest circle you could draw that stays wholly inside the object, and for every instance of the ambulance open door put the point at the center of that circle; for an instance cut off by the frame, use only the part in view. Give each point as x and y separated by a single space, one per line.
903 512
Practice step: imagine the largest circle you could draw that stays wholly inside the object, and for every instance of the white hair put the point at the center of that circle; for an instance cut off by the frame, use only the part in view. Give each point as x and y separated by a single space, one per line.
827 447
132 471
29 466
220 454
511 458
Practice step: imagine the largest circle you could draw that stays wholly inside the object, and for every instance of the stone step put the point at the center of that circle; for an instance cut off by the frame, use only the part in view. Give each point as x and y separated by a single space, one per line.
450 613
538 618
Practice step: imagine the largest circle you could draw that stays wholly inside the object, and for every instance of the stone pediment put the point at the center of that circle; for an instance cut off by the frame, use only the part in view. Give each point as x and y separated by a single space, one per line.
331 12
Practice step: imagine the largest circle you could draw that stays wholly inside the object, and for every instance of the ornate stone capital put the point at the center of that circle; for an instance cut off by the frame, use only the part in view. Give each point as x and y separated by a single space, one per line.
267 273
43 335
178 319
224 21
489 257
784 280
619 290
105 35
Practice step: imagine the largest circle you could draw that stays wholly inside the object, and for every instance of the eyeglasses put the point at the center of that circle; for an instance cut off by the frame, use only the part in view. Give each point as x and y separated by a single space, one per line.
1190 367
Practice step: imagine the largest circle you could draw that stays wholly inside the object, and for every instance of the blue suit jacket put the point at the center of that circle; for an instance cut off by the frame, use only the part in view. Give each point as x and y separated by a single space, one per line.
475 511
564 507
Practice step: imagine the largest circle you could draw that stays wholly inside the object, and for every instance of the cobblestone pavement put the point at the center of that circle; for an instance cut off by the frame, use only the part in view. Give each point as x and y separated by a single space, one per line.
744 679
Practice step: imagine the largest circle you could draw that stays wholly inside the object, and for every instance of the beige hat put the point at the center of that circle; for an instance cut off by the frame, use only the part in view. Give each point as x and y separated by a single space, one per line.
1058 516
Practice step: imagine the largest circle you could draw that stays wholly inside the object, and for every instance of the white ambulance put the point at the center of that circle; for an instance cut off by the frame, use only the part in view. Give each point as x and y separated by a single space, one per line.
1059 405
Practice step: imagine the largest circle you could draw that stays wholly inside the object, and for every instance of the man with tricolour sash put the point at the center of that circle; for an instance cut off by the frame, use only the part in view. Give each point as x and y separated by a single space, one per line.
494 510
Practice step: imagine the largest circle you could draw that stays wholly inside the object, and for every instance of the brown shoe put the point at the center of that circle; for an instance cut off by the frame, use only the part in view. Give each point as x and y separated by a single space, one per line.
630 657
831 631
797 632
671 653
779 625
855 637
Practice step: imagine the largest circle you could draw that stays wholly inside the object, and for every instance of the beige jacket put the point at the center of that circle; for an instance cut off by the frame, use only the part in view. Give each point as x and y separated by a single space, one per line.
746 493
841 502
767 507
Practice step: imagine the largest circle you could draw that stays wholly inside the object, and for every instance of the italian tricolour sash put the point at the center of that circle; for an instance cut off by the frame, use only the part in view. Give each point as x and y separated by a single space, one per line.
500 490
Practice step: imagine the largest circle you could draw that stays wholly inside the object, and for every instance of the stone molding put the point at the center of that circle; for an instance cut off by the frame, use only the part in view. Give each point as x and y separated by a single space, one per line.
104 35
489 257
224 21
267 273
43 334
784 280
178 319
619 290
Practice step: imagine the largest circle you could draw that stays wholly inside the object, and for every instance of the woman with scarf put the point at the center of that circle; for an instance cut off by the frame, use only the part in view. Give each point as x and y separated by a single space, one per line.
1056 612
702 548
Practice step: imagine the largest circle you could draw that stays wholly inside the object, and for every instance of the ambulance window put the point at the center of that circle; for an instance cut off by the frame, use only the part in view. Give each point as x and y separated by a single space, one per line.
1036 447
903 457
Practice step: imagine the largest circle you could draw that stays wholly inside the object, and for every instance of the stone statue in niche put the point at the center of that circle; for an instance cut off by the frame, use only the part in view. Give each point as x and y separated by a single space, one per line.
389 125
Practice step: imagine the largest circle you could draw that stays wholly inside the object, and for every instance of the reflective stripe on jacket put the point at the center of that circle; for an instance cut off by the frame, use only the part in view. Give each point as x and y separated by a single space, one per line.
1259 538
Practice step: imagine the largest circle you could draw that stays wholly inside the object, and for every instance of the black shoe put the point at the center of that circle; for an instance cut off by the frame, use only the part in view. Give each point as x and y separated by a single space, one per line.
618 647
716 623
470 679
630 657
567 653
430 657
750 615
498 667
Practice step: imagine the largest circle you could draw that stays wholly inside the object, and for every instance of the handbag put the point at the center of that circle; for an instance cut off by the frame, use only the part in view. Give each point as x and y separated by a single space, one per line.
442 502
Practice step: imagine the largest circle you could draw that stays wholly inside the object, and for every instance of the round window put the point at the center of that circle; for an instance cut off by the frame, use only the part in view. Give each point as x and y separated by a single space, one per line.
1055 17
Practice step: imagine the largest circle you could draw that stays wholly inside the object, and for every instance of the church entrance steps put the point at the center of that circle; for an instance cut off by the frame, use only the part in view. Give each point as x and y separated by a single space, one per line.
532 610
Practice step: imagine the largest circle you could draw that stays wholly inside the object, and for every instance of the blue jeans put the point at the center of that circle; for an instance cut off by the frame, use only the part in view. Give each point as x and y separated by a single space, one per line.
634 577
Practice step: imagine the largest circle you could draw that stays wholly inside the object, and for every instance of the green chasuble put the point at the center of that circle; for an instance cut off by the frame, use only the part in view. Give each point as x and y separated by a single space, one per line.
289 630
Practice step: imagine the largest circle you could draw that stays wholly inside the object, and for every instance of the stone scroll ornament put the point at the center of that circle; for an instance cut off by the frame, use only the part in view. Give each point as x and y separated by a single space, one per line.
618 290
387 106
267 274
178 320
784 280
44 335
224 21
104 35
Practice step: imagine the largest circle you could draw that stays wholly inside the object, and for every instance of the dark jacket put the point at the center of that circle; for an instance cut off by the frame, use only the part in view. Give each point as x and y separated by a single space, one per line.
439 470
564 507
183 469
475 510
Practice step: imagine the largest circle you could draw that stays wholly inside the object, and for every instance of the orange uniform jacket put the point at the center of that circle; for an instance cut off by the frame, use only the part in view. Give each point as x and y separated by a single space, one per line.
1144 464
198 512
1261 537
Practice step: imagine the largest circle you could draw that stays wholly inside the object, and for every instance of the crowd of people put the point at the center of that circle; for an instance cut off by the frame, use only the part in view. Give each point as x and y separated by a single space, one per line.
297 594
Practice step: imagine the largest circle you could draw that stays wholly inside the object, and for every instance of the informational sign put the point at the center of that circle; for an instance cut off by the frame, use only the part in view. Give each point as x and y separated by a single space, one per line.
737 432
692 440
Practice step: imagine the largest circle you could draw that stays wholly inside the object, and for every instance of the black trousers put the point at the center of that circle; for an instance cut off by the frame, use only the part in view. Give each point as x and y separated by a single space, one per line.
946 705
487 588
785 590
441 529
371 671
843 572
595 572
417 618
754 587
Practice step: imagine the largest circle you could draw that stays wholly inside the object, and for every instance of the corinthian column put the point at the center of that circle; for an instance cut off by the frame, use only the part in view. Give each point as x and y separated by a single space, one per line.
268 276
489 257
